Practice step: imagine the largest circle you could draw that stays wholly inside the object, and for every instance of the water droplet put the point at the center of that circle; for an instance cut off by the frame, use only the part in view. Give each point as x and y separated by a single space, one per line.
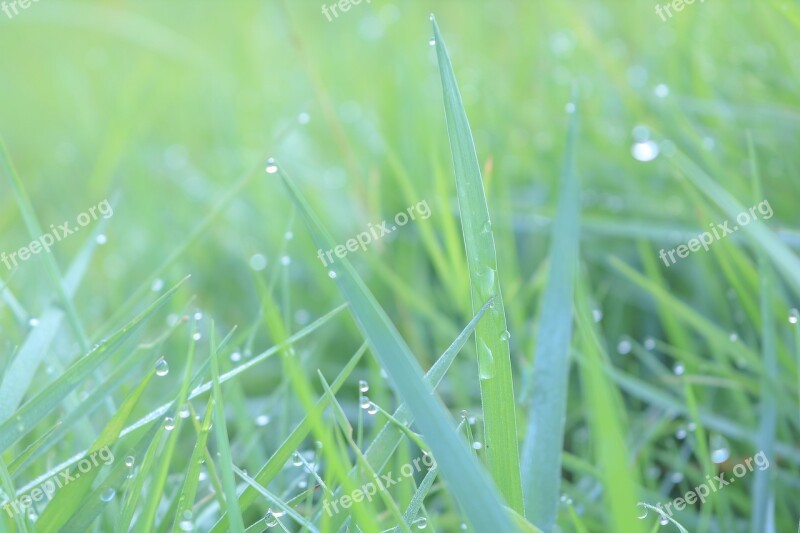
644 512
129 461
566 500
277 514
101 239
162 367
331 274
691 426
649 343
258 262
169 423
720 451
236 357
624 347
570 108
297 459
372 409
262 420
597 315
794 316
288 236
157 285
680 434
33 322
477 445
734 337
676 477
202 476
463 526
198 315
184 412
661 90
664 521
272 166
485 361
644 151
286 260
107 495
186 525
364 402
432 41
679 369
363 386
304 118
197 336
421 522
505 336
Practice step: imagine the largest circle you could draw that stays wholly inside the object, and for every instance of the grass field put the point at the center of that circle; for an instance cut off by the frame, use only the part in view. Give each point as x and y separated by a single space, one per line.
338 266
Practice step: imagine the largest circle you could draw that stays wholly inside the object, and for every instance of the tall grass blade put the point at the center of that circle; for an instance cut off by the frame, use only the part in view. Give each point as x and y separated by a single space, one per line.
491 336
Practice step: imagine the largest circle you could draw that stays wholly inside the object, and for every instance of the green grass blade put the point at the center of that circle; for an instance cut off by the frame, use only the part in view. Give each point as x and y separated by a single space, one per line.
50 398
541 455
494 360
223 444
192 479
469 483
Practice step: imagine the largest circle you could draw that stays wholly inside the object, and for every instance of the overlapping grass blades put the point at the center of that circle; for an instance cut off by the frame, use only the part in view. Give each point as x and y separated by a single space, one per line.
491 335
470 484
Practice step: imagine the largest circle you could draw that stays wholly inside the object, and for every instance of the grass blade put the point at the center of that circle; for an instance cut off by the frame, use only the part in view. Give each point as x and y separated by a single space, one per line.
491 337
541 455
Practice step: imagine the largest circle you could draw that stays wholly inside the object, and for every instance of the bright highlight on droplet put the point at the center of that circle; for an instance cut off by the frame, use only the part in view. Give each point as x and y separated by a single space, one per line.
644 151
272 166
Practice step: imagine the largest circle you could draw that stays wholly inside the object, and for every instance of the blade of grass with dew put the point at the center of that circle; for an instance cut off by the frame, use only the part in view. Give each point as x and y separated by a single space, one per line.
147 518
390 436
292 442
96 502
491 335
8 488
549 373
418 499
50 398
233 512
67 500
469 482
275 500
123 523
763 517
607 420
192 479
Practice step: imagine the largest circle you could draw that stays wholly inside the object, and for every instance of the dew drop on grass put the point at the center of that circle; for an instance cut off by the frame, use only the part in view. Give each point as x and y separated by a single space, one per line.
661 90
644 512
258 262
129 461
664 521
645 151
680 434
288 236
198 316
157 285
169 423
286 260
477 445
794 316
505 336
624 347
184 412
679 369
676 477
432 41
720 451
640 133
364 402
372 409
649 343
570 108
297 459
272 166
270 520
186 525
463 526
734 337
236 357
485 361
331 274
421 522
107 495
33 322
101 239
566 500
162 367
363 386
262 420
597 315
277 514
197 336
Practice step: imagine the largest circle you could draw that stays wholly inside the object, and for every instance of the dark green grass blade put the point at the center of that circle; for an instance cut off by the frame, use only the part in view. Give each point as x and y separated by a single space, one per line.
541 454
494 360
468 481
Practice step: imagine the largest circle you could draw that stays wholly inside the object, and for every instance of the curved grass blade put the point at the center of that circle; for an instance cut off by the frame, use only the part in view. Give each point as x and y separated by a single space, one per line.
470 484
491 337
192 479
541 453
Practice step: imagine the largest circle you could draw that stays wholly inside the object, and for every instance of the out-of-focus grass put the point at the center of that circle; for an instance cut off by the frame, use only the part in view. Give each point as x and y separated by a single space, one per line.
169 107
